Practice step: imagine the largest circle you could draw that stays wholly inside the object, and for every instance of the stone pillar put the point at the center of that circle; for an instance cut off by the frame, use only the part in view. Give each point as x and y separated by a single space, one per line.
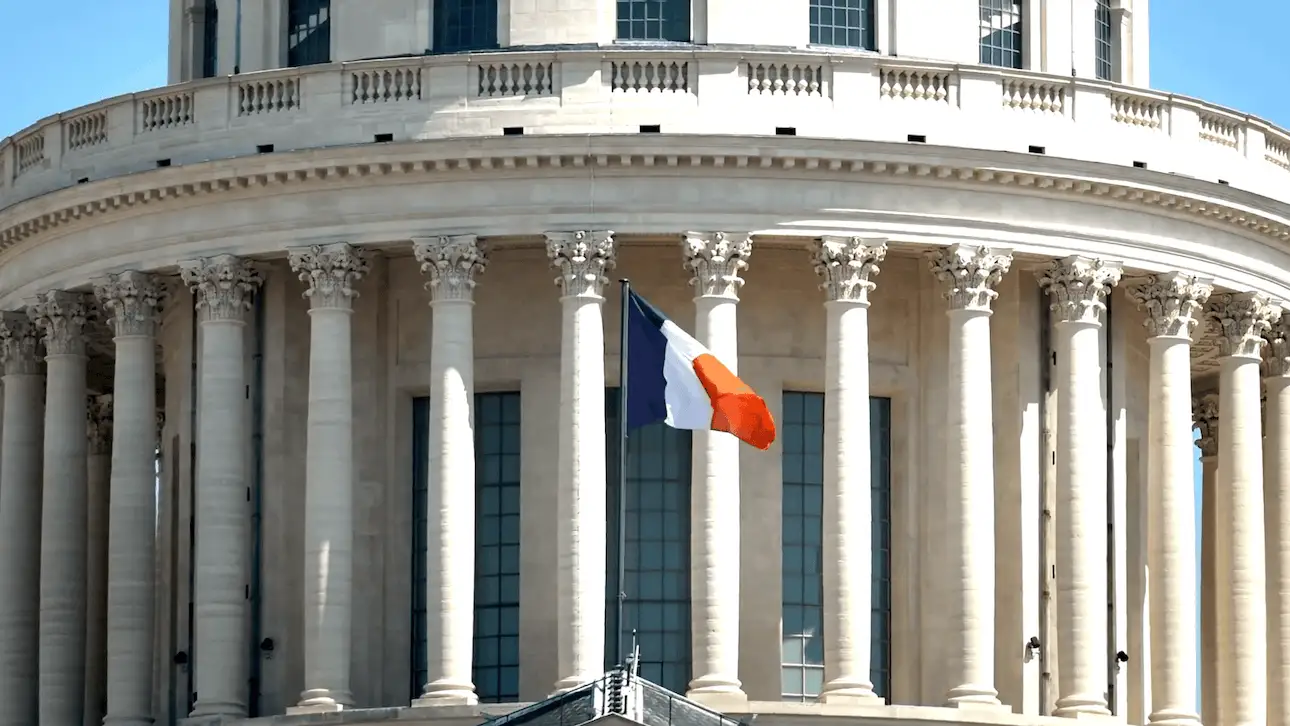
1276 495
329 273
132 301
715 260
1205 413
1172 303
1078 287
451 264
1241 320
21 441
99 431
848 266
224 287
61 317
582 259
971 273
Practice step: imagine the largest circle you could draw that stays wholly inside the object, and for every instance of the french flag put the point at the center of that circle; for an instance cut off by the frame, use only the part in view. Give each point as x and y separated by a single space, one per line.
673 378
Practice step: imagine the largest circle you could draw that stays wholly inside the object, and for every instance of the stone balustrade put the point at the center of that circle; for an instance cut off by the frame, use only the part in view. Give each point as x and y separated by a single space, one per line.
618 91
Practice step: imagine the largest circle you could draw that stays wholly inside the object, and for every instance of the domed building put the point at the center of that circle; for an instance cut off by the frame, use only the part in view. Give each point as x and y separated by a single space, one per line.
296 421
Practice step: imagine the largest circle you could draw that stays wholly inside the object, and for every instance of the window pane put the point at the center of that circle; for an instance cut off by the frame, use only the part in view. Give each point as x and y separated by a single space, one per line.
1102 40
466 25
848 23
308 32
657 557
1001 33
802 431
654 20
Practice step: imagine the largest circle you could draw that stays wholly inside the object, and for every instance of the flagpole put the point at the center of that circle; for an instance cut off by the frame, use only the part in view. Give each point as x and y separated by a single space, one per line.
620 643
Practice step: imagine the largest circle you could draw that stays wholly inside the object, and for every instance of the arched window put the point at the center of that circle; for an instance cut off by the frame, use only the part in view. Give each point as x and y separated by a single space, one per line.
308 32
654 20
1001 33
464 25
845 23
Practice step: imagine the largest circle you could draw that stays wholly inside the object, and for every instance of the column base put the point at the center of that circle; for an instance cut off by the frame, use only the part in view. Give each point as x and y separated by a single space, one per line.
851 691
980 706
1173 718
297 710
564 685
434 698
1082 708
220 711
724 698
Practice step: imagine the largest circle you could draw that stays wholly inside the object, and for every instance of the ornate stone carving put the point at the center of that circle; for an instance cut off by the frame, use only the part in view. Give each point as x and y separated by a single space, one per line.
329 273
21 344
1276 354
452 263
582 259
223 285
848 265
971 272
133 301
715 260
61 317
98 411
1204 411
1240 322
1172 302
1078 286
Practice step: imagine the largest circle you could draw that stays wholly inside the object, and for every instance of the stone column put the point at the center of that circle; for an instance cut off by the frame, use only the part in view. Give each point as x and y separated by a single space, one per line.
132 302
715 260
1205 413
21 442
1172 303
99 431
61 317
1078 287
451 264
848 266
1241 320
224 287
582 259
329 273
971 274
1276 495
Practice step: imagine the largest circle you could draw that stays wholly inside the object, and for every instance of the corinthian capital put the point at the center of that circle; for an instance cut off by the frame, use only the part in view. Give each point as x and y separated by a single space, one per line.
98 413
224 286
21 343
1078 286
1242 319
971 272
848 266
329 273
1276 354
451 263
1172 303
715 260
133 302
582 259
1204 411
61 317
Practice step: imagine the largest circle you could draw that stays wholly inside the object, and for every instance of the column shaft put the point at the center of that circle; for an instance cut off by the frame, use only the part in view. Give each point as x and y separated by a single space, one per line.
21 462
581 258
1242 319
1078 288
98 493
61 317
224 287
1277 498
716 259
329 271
847 266
971 273
451 263
1205 411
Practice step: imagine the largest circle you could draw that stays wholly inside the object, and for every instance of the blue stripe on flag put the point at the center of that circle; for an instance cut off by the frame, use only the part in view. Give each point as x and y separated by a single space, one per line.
646 348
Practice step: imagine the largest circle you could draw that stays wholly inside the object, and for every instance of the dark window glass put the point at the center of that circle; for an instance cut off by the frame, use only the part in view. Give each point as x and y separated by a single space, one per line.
308 32
654 20
210 39
847 23
497 545
464 25
1001 33
802 442
1102 40
657 581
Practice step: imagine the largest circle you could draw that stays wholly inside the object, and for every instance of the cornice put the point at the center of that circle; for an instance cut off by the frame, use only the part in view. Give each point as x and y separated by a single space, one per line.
399 162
